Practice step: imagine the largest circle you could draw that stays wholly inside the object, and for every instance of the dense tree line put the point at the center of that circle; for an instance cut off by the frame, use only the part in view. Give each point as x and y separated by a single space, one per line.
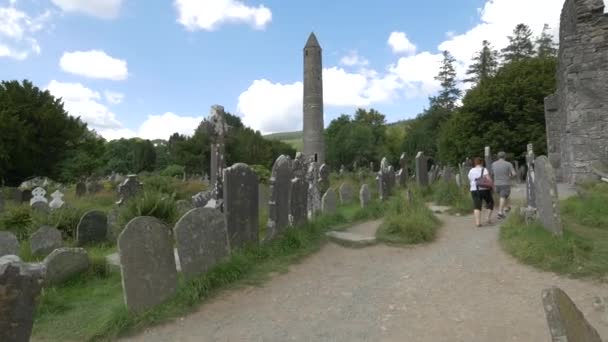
39 138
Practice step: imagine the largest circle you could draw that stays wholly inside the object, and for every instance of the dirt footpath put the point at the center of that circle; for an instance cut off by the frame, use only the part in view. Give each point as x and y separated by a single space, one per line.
462 287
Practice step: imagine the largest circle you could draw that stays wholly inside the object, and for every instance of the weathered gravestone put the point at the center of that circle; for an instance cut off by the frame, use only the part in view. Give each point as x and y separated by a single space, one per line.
64 263
147 263
128 189
202 198
41 207
113 223
299 201
38 195
45 240
57 201
547 202
566 322
26 195
329 202
9 245
364 196
530 177
93 227
346 193
20 286
391 179
278 205
241 205
298 166
314 191
323 178
202 240
81 189
422 173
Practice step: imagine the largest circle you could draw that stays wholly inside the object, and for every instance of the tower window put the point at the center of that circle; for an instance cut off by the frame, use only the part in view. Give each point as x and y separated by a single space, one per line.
316 157
306 53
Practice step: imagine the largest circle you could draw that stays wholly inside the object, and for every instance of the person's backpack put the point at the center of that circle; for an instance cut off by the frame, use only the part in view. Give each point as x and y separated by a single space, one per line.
483 182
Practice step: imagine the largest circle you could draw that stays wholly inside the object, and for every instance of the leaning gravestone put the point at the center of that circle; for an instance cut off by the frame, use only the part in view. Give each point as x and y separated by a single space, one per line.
346 193
299 201
57 201
9 245
422 173
329 202
241 205
547 202
147 263
45 240
364 196
64 263
93 227
201 239
566 322
20 286
81 189
128 189
278 205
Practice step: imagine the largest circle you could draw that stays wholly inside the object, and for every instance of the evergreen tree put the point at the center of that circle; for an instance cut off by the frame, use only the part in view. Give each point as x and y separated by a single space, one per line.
545 43
449 93
520 45
484 64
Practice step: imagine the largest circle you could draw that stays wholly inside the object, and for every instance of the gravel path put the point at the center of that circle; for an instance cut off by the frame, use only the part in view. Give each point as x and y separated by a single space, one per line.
462 287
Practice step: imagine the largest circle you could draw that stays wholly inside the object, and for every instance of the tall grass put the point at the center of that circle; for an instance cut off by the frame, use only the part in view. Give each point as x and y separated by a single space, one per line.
452 195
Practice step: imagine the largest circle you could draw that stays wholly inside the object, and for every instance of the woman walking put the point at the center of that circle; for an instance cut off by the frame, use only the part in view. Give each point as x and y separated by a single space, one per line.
481 190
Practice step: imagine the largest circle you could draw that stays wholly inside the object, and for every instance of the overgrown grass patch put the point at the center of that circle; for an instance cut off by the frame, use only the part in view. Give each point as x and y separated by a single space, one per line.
452 195
91 306
583 249
408 222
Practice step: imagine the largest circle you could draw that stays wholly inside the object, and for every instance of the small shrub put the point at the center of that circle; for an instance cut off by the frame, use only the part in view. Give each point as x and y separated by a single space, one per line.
161 184
18 220
173 171
150 203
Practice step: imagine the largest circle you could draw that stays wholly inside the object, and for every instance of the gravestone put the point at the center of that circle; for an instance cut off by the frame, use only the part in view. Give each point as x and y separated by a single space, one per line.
364 196
183 207
26 195
298 166
113 225
547 202
422 174
64 263
278 205
45 240
81 189
324 178
93 186
147 263
38 195
391 179
566 322
20 286
201 239
57 201
346 193
41 207
201 199
93 227
128 189
530 178
314 192
329 202
9 245
299 201
241 205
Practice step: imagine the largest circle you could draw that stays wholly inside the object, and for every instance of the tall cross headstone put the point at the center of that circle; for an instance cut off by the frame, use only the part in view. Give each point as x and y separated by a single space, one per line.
57 201
218 131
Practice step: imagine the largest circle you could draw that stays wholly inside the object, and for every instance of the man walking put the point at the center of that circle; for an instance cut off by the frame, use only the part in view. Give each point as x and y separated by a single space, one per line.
503 172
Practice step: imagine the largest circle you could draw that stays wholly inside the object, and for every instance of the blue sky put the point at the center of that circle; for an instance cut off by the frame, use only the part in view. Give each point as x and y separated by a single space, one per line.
151 68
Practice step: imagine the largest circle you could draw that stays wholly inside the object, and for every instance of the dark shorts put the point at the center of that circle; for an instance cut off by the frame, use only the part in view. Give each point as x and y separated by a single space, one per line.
480 196
504 191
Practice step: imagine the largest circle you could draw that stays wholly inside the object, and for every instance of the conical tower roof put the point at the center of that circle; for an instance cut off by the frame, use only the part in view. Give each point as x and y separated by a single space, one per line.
312 41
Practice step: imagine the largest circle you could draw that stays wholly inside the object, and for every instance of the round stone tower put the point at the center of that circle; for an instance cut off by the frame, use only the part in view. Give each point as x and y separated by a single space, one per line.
314 143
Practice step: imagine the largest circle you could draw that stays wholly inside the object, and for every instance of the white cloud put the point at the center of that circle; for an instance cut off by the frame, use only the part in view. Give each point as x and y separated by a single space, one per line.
210 14
105 9
400 43
116 133
94 64
113 97
17 32
353 59
162 126
79 100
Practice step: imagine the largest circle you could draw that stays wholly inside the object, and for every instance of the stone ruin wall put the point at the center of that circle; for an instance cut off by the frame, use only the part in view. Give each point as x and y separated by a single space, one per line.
577 114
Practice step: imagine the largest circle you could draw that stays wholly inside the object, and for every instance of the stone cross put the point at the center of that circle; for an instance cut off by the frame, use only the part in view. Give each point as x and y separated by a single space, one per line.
57 201
38 196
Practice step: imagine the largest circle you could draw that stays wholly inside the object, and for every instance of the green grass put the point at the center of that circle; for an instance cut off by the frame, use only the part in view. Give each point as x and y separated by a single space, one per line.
285 136
90 307
583 249
450 194
408 222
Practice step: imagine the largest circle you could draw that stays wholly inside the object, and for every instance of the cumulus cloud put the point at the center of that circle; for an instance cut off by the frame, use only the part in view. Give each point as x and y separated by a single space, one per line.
353 59
113 97
105 9
210 14
162 126
94 64
81 101
400 43
17 32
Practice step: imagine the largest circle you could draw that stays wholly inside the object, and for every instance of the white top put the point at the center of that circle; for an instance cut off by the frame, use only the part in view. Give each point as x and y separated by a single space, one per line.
474 174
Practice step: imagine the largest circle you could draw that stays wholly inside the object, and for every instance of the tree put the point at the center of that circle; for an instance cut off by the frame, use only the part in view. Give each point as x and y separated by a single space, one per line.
545 43
484 64
37 133
449 93
520 45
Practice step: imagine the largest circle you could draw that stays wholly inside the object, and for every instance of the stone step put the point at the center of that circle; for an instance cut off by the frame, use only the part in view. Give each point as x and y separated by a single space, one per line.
352 240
